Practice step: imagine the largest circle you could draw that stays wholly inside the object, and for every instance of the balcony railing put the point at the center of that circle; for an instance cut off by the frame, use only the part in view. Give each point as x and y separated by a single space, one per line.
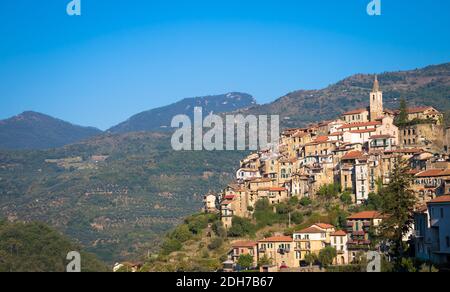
284 250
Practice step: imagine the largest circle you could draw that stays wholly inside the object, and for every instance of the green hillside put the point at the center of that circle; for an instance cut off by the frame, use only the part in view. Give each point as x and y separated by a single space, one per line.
35 247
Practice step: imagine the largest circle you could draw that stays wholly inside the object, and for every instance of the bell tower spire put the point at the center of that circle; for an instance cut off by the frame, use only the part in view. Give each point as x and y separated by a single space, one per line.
376 101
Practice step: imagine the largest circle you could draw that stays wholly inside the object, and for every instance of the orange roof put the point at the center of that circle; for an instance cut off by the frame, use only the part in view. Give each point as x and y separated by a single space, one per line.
408 151
311 229
356 111
365 215
356 125
229 197
441 199
353 155
244 244
324 225
339 233
321 139
433 173
420 109
336 134
362 131
277 239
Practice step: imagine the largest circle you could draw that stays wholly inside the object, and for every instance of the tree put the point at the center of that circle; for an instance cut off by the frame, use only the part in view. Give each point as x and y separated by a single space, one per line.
264 261
305 202
311 259
181 233
219 230
241 227
402 118
297 217
346 198
398 209
327 256
329 192
170 245
374 202
245 261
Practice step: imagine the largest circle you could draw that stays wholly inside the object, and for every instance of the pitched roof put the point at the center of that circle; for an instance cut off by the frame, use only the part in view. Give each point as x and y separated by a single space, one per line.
365 215
244 244
441 199
362 131
311 229
339 233
353 155
356 125
277 239
229 197
324 225
433 173
419 109
355 112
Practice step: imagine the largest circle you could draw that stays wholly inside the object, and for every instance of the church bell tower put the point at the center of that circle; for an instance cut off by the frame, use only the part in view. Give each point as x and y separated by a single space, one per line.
376 101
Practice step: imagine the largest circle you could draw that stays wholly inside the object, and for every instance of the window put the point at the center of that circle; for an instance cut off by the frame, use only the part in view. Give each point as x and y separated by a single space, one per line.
442 212
447 239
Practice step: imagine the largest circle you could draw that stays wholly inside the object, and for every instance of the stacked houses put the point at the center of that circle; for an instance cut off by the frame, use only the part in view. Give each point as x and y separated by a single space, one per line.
358 151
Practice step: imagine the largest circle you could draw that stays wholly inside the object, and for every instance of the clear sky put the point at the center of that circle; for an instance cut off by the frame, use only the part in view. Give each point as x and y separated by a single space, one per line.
125 56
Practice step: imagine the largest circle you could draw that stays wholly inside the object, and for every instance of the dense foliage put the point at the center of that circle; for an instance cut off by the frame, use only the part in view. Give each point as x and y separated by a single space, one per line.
35 247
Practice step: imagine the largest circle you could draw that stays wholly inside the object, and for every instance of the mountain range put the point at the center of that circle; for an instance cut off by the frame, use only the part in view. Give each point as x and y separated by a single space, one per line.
32 130
160 118
118 192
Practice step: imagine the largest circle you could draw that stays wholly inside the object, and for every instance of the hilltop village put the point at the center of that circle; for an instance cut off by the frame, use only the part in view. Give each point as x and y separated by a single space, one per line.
356 152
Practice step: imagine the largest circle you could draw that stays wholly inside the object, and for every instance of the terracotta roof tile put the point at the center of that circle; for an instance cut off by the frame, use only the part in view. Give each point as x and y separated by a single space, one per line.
244 244
311 229
356 125
441 199
277 239
355 112
365 215
339 233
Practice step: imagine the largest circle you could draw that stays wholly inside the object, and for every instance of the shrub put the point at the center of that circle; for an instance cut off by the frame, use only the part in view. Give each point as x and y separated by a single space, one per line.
197 223
181 233
215 243
241 227
346 198
219 230
245 261
283 208
327 255
305 202
170 245
297 217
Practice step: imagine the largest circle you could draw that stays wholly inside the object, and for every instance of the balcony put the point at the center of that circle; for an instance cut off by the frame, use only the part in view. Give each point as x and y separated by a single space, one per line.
358 233
283 250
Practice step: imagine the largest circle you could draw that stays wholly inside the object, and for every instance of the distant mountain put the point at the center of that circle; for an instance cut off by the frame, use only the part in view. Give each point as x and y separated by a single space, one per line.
428 86
160 118
31 130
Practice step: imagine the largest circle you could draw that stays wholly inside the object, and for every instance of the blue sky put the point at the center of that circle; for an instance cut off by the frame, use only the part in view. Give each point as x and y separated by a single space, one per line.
122 57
